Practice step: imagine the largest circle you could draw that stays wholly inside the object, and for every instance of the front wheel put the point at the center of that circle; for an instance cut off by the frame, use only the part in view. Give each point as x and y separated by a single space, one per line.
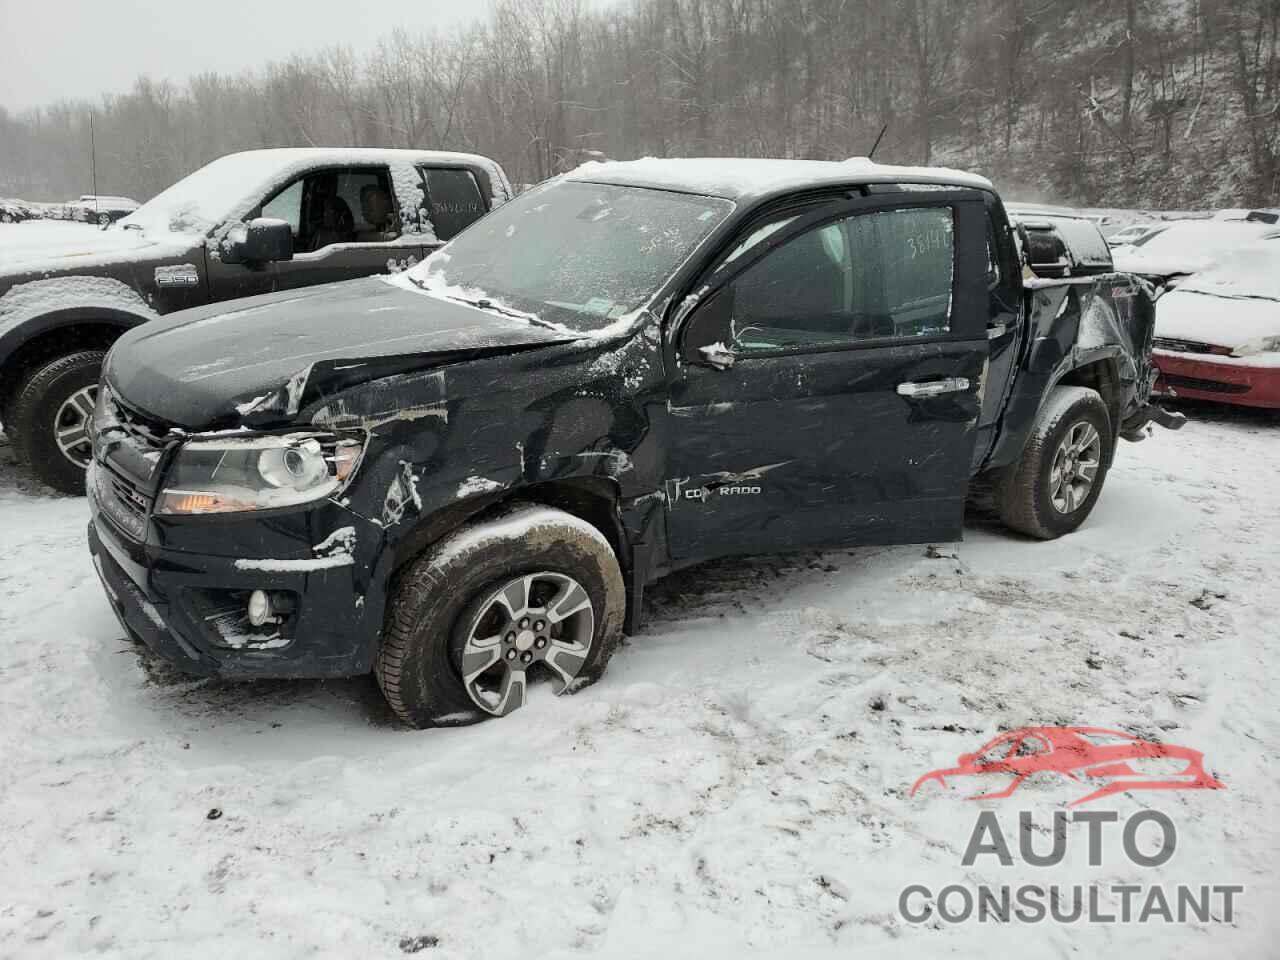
53 419
535 594
1054 487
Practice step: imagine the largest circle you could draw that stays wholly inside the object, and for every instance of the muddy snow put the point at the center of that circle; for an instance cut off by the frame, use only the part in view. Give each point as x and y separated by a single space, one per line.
738 784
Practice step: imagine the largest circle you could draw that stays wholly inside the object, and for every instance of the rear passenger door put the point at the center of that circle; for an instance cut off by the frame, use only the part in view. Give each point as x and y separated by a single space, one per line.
836 399
452 200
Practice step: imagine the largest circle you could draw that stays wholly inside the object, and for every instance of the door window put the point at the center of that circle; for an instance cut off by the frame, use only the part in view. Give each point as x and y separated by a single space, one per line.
876 275
287 206
453 199
343 205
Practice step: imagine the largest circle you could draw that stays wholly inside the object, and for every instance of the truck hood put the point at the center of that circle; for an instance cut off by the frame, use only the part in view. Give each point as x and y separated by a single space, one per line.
261 360
56 247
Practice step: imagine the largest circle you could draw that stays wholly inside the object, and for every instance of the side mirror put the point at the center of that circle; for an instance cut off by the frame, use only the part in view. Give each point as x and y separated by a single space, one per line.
717 355
263 240
709 330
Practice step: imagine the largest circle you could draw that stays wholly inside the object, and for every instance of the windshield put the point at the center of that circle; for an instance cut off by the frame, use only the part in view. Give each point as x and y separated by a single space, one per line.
576 254
200 201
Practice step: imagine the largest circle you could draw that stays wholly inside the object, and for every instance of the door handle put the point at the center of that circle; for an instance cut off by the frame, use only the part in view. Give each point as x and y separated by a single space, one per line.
933 388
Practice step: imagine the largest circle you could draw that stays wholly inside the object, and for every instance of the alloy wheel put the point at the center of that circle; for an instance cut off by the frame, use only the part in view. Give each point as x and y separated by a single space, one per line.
72 426
540 623
1075 467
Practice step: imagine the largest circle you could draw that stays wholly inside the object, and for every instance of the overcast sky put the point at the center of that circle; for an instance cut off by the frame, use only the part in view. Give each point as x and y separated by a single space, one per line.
51 49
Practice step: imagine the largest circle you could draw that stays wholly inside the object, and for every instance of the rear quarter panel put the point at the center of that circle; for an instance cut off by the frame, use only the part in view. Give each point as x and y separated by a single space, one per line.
1073 323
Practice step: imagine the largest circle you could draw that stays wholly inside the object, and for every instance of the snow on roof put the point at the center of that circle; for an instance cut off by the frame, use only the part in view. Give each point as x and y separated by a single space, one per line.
734 178
233 184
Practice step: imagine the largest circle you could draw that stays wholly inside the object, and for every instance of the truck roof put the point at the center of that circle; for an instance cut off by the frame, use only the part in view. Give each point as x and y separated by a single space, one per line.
737 179
360 154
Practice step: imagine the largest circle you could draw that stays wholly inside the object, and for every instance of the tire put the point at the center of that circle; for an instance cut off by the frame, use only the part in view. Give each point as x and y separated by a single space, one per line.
1028 497
104 219
446 598
53 395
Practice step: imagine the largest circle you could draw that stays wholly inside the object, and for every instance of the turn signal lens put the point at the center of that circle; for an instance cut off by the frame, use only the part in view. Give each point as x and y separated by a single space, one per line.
177 502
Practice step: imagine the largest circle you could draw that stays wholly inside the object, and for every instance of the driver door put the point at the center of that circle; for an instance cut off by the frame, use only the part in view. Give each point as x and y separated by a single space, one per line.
832 380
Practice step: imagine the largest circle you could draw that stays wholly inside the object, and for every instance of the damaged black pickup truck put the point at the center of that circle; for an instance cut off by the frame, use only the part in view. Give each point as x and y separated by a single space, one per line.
462 477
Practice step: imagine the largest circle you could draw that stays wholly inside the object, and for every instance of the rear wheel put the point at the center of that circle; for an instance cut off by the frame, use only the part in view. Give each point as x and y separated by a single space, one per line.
535 594
1053 488
53 418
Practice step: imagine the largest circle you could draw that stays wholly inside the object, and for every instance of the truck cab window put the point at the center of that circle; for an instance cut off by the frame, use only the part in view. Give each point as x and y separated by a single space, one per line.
453 200
287 206
347 205
871 276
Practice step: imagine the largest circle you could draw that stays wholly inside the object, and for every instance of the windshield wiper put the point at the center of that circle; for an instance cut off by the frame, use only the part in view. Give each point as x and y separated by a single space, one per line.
484 303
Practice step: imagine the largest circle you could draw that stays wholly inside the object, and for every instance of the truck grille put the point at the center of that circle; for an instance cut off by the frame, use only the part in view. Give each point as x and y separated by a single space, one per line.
127 451
1188 346
1208 386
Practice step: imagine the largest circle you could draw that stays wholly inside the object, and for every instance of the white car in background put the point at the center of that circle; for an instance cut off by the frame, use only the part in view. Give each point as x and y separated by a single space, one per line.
101 210
1188 246
1133 233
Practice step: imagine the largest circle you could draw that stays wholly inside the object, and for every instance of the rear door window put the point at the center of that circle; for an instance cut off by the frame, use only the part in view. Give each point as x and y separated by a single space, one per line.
453 199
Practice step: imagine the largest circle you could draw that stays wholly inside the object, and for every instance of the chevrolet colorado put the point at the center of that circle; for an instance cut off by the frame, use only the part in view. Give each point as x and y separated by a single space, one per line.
462 477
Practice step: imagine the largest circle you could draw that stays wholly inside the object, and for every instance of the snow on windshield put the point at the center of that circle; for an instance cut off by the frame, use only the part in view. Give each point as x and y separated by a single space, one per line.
1252 271
200 201
578 255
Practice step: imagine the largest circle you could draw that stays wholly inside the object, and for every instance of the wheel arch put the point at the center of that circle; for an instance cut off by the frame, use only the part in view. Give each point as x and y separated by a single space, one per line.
593 499
39 339
1101 375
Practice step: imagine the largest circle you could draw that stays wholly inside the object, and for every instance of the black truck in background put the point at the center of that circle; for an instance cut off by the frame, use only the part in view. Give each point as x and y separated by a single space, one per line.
246 224
463 477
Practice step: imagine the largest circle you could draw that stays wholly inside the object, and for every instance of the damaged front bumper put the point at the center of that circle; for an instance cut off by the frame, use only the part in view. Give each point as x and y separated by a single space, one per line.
190 607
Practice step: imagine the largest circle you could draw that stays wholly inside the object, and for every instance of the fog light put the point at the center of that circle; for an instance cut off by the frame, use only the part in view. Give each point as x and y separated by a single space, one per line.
259 608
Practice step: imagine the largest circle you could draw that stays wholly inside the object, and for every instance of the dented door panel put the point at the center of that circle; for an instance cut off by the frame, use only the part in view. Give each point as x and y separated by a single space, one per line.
785 453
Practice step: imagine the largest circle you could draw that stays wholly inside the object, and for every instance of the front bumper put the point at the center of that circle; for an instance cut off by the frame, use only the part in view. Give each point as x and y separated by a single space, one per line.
1194 377
181 603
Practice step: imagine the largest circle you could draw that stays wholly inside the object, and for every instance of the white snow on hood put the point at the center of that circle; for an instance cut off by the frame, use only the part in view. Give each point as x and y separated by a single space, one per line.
1188 246
1231 305
42 246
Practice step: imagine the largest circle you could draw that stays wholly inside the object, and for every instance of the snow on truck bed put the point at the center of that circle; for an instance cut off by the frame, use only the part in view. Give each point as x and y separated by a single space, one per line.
737 786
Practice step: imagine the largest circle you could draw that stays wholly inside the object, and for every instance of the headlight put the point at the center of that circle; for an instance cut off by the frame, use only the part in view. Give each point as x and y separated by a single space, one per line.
1254 347
234 474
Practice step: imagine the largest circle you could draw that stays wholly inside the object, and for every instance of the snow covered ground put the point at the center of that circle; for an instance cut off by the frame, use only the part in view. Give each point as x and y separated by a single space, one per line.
736 786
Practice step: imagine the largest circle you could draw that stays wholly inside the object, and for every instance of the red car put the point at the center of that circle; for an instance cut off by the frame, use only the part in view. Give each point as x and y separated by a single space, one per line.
1218 333
1124 761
